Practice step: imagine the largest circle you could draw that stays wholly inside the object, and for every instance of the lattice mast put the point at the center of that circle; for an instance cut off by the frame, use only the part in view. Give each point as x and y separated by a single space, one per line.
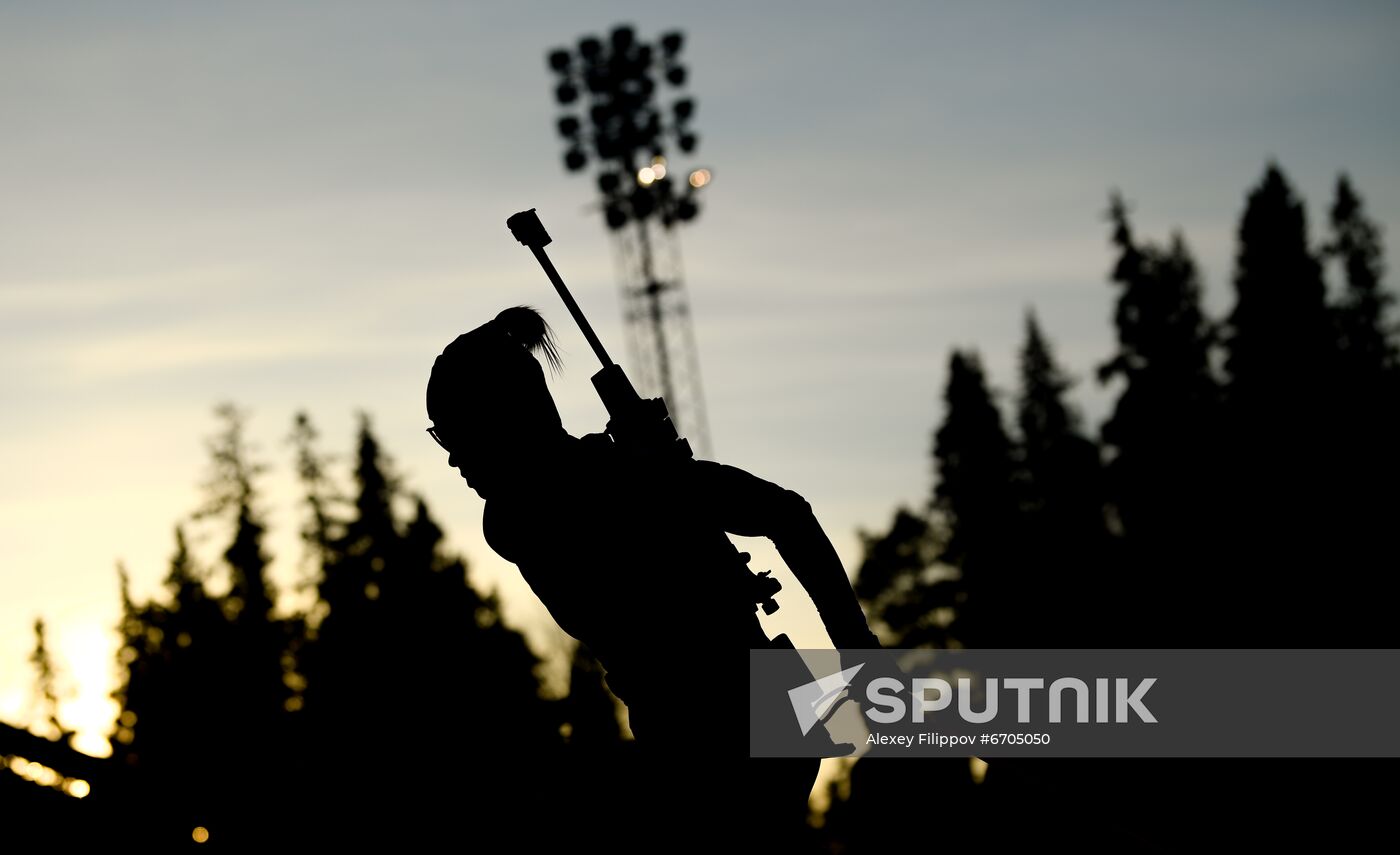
613 122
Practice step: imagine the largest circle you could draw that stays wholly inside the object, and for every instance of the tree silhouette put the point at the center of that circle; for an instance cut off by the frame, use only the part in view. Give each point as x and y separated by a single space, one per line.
1365 330
1362 499
1162 421
1162 436
911 595
322 528
1059 486
207 686
976 495
177 713
1280 359
405 659
1277 336
346 662
46 683
252 667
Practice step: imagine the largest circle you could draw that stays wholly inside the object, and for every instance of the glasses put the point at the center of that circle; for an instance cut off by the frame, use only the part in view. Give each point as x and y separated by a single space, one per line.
432 432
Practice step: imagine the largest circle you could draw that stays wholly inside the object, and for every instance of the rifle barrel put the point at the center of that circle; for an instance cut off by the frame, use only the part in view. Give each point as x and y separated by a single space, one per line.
572 306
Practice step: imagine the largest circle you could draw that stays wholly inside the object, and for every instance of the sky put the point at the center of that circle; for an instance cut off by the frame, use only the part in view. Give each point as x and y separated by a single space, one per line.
297 206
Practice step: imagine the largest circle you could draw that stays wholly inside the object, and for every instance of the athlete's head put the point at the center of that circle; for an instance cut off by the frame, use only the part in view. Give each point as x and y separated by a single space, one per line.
488 402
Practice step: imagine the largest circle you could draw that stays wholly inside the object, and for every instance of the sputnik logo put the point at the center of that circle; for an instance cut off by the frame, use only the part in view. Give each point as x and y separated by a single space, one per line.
812 701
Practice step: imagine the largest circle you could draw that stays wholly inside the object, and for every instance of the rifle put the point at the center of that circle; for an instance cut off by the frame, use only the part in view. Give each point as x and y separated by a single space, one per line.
638 426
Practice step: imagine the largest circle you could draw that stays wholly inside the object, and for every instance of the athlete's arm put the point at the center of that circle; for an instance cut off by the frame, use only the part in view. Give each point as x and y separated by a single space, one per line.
749 506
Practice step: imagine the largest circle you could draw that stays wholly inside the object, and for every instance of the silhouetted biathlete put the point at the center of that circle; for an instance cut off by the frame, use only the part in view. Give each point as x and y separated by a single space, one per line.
616 550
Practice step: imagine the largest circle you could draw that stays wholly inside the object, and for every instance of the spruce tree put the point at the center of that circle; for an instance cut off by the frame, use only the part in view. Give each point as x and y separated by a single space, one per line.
910 594
1162 426
975 496
1163 483
46 684
1366 331
1058 463
1281 360
320 496
1278 340
178 710
1365 457
349 664
1060 494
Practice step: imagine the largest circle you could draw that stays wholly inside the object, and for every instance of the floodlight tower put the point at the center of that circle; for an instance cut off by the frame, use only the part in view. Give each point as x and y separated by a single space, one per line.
608 90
